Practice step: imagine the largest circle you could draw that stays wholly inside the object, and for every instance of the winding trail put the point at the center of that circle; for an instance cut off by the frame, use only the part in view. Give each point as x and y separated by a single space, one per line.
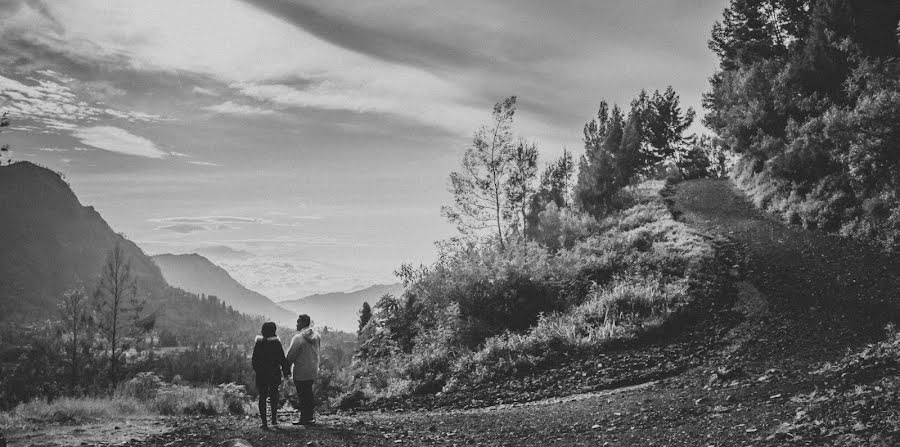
807 298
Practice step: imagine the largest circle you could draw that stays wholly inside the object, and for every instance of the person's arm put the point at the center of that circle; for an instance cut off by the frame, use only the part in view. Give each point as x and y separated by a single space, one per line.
282 360
294 350
257 356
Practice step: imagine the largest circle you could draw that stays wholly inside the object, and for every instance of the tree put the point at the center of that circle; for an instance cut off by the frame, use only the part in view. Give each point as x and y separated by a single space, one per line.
77 322
365 314
664 126
554 188
598 175
118 307
4 122
478 189
520 185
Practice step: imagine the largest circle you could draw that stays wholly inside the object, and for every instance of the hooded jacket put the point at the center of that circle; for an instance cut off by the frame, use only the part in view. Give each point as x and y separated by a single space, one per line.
268 360
304 354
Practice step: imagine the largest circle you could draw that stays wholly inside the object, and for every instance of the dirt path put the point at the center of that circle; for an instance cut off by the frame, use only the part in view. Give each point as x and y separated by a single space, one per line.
808 299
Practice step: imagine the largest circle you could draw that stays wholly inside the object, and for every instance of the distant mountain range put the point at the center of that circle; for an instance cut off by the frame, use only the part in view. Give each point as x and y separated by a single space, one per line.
197 274
339 310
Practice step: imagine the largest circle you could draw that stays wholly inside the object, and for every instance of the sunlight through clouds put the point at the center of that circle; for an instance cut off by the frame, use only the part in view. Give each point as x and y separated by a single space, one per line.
119 140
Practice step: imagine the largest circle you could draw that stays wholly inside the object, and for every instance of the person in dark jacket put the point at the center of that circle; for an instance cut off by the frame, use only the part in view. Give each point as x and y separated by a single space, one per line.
269 364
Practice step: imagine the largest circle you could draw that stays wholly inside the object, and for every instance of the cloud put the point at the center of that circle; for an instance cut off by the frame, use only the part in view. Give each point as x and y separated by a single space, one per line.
232 108
114 139
183 228
49 101
170 36
204 91
224 252
208 220
204 163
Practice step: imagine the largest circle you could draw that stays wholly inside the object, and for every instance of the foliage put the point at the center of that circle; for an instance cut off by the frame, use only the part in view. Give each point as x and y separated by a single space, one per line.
4 149
620 146
143 395
808 92
480 306
478 189
118 308
555 187
365 314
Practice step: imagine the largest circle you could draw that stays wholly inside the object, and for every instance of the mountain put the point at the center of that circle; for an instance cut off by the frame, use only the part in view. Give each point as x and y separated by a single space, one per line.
340 310
50 242
195 273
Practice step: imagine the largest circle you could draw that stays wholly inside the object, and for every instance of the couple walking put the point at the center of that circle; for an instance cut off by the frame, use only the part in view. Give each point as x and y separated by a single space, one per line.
270 362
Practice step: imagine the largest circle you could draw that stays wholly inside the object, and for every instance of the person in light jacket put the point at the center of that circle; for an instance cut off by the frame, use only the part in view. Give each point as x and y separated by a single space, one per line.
269 363
304 355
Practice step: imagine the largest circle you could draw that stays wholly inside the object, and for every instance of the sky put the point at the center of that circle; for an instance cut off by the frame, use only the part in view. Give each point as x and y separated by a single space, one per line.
305 145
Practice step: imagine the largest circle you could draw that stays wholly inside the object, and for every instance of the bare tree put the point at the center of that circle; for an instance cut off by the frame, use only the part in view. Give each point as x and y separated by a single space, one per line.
118 307
478 189
77 323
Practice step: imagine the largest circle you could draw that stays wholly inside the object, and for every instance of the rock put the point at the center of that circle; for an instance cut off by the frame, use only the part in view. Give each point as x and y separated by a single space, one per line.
237 443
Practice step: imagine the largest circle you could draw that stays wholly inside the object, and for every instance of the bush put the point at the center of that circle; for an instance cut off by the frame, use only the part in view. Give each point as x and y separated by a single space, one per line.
72 411
482 312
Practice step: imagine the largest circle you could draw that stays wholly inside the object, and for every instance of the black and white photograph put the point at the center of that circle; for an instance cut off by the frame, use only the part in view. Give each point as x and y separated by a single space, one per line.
282 223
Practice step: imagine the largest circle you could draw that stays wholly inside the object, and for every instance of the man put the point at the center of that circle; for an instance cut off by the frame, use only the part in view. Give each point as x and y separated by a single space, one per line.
304 355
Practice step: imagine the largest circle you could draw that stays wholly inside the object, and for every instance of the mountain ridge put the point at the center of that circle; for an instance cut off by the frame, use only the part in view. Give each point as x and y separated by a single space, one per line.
197 274
340 309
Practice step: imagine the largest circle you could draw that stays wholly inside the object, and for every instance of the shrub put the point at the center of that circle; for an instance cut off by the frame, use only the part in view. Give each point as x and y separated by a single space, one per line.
482 312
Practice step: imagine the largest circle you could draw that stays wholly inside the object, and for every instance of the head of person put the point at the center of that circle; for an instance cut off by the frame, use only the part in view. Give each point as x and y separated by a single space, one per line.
303 322
268 329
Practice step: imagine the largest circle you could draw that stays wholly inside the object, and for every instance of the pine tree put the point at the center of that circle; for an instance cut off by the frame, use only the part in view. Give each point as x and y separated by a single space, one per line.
664 126
365 314
520 185
478 189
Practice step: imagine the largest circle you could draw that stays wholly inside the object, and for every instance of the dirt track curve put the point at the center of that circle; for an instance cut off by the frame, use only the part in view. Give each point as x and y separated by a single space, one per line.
808 298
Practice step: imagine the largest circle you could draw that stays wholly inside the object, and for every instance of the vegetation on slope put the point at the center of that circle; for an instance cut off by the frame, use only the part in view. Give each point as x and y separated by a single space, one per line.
808 93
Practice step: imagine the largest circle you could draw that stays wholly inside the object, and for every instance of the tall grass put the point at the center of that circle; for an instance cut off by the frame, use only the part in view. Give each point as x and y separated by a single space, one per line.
143 395
598 281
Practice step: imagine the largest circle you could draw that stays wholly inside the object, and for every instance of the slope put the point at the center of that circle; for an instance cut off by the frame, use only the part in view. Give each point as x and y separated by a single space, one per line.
778 378
51 242
340 310
195 273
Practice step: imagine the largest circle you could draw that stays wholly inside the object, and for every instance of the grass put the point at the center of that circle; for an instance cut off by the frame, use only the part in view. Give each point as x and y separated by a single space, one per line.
145 395
660 257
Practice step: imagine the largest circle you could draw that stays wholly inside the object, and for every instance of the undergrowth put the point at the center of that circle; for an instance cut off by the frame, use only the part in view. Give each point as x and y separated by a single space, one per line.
615 279
144 395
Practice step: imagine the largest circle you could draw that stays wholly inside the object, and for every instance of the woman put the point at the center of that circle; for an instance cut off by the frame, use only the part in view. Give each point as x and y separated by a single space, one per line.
269 364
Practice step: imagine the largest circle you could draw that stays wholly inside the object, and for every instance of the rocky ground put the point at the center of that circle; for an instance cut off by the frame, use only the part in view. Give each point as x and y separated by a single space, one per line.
807 362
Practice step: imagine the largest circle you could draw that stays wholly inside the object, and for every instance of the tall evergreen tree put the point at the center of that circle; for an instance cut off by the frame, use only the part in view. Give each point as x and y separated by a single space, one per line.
520 185
365 314
664 124
478 189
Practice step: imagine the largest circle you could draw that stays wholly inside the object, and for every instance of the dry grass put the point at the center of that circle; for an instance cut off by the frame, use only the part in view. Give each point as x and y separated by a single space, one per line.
144 395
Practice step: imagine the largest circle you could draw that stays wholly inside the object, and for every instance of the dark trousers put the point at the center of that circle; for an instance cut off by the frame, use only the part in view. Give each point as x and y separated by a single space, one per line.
307 401
270 391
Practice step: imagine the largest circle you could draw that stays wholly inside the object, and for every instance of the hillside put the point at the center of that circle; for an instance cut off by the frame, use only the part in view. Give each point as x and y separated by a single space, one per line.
196 274
51 242
807 363
340 309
